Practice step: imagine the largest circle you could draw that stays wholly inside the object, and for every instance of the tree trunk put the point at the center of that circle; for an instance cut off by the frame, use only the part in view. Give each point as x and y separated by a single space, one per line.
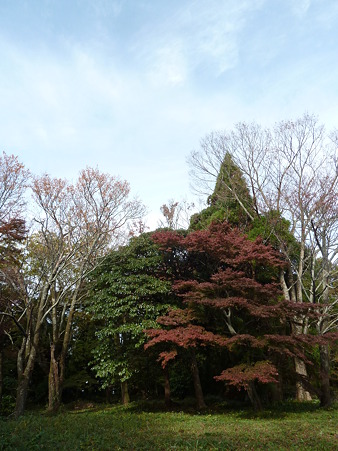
290 294
21 397
253 396
301 393
55 380
167 398
325 398
29 348
197 382
58 362
125 393
54 394
24 376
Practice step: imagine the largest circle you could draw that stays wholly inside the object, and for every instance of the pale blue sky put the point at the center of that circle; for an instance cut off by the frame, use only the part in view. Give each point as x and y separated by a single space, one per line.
132 86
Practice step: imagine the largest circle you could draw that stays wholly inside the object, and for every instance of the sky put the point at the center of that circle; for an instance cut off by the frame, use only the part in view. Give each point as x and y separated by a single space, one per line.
132 86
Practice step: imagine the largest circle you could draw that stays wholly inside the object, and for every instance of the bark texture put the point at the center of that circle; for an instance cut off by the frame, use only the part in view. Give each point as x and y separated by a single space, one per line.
125 399
197 383
325 398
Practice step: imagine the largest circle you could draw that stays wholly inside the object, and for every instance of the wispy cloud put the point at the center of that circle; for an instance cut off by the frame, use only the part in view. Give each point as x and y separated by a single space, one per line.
300 7
135 99
169 65
196 34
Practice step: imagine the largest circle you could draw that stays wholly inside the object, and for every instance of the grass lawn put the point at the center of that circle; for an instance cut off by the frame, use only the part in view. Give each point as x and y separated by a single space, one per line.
144 427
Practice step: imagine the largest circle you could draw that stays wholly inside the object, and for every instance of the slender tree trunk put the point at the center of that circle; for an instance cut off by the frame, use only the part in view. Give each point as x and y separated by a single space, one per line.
253 396
23 384
58 362
125 393
301 393
55 380
300 368
197 382
25 365
54 394
29 348
67 334
21 396
325 398
167 393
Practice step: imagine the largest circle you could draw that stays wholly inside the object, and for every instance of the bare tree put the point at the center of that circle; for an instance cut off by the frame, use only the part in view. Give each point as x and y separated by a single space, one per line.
13 181
176 214
291 171
76 225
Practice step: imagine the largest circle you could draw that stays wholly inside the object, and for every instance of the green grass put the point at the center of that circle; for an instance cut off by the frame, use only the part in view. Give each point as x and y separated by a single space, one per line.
143 427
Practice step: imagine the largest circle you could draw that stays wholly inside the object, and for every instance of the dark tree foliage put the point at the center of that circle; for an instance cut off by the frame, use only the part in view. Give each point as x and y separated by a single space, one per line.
230 201
128 293
12 234
231 300
291 173
80 381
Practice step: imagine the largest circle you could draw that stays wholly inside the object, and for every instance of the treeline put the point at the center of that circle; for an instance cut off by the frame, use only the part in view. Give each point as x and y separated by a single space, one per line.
241 304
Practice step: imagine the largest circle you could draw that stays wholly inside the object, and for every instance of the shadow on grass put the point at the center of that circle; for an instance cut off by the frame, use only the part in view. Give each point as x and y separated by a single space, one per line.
149 425
238 409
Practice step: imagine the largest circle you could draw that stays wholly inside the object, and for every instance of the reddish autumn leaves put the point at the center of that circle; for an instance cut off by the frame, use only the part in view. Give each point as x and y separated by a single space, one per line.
230 299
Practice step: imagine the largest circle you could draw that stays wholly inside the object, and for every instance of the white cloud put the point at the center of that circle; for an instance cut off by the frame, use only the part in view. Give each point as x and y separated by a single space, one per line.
140 113
196 34
300 7
168 66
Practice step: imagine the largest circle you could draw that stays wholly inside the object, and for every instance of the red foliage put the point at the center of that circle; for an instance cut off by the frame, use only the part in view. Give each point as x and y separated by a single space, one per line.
244 340
166 356
232 277
241 375
14 229
182 336
224 243
176 317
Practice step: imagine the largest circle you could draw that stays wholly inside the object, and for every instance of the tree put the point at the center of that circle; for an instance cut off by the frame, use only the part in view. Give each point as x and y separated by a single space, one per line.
13 180
80 380
240 296
76 225
324 275
291 172
179 333
230 200
12 235
128 292
176 214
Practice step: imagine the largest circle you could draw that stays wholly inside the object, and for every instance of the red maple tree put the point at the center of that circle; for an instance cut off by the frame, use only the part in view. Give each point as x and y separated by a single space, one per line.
230 298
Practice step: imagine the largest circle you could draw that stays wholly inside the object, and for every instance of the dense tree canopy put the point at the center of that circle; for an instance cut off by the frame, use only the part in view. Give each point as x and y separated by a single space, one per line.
291 173
128 293
235 302
241 296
